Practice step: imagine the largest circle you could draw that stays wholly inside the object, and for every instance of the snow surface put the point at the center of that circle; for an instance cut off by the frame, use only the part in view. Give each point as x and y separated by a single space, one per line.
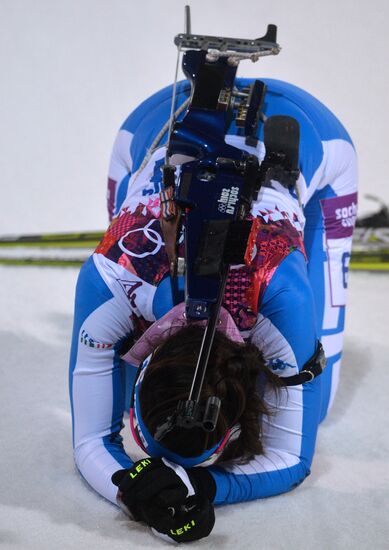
44 504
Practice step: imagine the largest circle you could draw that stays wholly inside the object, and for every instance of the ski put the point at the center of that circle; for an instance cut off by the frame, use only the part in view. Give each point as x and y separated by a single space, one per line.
40 262
48 249
69 255
86 239
370 251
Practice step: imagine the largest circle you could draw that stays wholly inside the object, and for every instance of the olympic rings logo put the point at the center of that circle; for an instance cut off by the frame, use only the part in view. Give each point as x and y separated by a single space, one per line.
151 234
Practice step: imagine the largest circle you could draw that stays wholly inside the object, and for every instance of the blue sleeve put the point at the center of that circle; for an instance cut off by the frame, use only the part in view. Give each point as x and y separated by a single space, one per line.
96 381
286 334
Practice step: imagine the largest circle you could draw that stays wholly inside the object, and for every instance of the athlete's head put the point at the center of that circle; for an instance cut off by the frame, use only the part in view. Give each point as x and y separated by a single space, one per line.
236 374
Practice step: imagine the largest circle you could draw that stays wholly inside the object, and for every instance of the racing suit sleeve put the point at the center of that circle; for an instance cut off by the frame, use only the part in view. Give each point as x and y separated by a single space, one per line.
285 333
101 324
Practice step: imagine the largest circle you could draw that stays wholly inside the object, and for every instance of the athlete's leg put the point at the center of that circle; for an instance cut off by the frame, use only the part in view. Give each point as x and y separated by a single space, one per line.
330 217
143 132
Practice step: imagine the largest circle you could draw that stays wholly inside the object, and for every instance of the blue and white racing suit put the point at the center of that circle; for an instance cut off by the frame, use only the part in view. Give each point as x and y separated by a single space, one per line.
301 295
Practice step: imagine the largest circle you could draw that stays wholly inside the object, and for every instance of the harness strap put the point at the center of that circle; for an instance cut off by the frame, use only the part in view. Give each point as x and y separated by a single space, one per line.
312 368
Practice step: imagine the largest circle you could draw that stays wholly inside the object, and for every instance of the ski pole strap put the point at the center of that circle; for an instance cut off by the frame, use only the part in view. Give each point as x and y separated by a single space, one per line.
312 368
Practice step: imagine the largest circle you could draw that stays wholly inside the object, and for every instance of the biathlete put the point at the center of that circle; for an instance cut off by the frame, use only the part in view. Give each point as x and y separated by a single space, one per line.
274 313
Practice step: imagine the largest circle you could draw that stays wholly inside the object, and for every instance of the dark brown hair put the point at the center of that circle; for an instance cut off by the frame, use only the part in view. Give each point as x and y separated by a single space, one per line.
236 373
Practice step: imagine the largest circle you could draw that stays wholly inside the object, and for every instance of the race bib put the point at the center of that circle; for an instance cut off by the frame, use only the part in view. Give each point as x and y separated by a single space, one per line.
339 215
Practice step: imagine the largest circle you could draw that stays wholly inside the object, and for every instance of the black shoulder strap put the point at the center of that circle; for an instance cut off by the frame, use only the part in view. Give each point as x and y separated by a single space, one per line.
312 368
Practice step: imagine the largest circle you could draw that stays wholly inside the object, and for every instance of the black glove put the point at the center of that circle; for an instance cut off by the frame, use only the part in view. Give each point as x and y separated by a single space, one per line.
203 482
149 479
176 503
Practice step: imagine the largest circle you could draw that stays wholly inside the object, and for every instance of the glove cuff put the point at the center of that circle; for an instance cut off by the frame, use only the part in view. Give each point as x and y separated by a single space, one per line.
131 511
203 481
